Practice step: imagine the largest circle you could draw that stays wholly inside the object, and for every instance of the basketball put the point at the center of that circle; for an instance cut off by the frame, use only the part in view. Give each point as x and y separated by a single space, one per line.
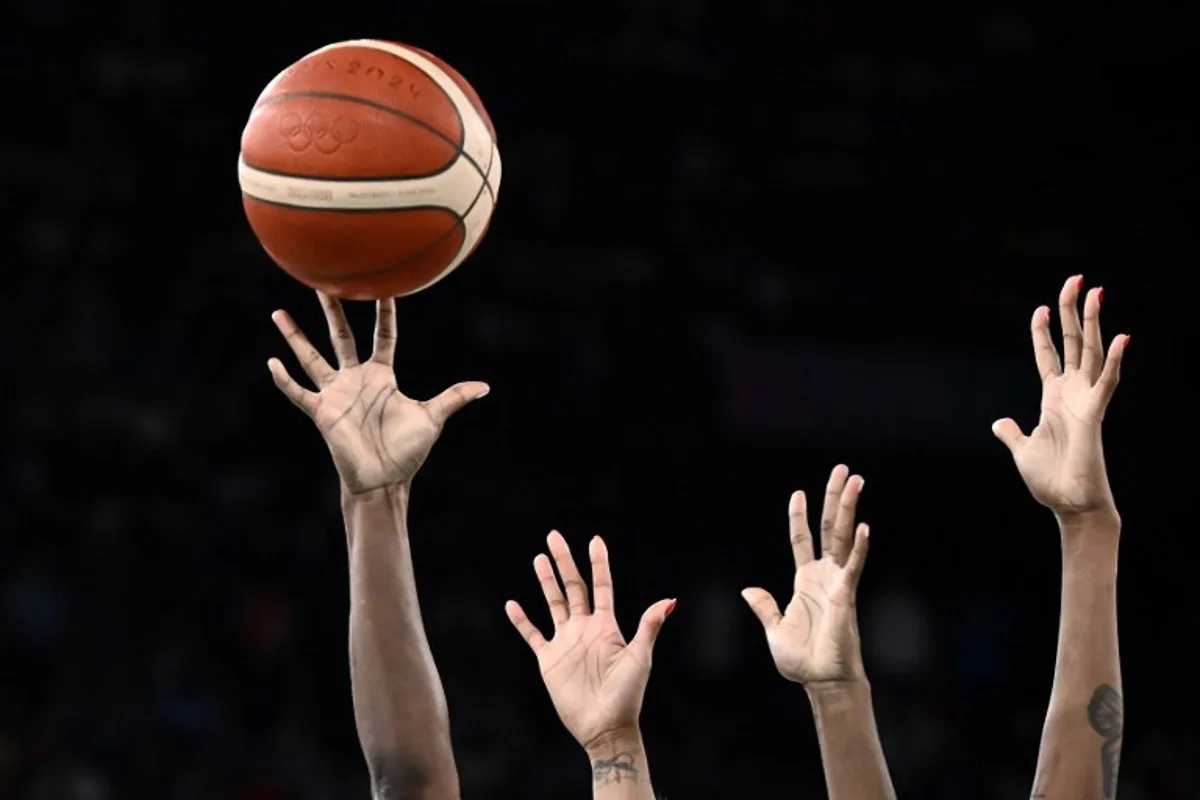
369 169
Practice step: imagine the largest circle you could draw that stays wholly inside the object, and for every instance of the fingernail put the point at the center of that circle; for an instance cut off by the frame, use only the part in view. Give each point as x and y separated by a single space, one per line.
484 393
670 609
1079 283
1127 337
1100 295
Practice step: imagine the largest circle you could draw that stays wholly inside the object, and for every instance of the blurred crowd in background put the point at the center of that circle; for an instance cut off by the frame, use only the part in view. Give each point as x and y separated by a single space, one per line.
736 244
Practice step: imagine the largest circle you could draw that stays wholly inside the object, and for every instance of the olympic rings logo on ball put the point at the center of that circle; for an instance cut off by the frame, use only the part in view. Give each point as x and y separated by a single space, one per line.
317 130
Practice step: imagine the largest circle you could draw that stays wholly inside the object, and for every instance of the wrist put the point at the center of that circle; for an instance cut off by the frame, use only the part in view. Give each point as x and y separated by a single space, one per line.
382 509
390 494
1091 538
1104 520
825 692
612 743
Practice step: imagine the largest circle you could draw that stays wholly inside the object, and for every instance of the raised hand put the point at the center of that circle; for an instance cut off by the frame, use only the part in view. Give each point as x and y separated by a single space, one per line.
1062 463
1062 459
378 437
595 678
815 640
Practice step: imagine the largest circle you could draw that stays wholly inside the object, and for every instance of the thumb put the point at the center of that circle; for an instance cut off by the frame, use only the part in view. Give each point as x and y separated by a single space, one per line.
763 606
1008 432
446 404
651 625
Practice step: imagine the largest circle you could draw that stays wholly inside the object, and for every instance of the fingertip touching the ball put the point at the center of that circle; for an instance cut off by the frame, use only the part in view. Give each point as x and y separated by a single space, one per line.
369 169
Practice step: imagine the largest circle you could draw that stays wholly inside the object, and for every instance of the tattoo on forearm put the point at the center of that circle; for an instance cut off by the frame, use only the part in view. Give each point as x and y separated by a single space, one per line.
621 768
1106 715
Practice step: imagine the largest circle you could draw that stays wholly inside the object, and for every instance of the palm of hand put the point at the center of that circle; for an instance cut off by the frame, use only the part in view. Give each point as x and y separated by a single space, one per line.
377 436
1062 461
817 638
592 676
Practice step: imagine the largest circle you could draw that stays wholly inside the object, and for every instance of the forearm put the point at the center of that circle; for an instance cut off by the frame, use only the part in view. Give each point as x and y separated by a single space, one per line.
855 768
1081 742
399 705
620 770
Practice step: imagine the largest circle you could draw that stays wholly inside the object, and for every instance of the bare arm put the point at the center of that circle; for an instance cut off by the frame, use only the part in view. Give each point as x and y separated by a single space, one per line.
855 768
399 705
620 770
1081 742
1062 464
379 438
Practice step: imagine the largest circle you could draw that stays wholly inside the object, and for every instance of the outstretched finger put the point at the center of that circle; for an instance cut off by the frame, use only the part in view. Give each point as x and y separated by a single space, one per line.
650 627
306 400
833 495
311 361
339 331
1044 351
529 632
1068 313
858 556
763 606
385 332
1009 433
550 589
801 534
602 583
1110 376
1092 360
451 401
577 594
843 527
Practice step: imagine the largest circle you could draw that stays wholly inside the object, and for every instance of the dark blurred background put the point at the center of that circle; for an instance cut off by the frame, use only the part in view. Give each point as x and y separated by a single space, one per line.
736 244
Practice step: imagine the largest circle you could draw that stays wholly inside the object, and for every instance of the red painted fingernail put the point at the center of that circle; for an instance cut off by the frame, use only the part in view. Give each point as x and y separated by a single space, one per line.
670 609
1127 337
1079 283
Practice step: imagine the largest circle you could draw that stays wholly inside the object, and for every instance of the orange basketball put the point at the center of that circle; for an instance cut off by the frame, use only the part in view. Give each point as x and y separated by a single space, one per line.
369 169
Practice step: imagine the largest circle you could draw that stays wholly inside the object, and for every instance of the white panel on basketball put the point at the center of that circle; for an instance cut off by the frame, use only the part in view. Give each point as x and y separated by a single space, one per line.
455 189
477 141
474 223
